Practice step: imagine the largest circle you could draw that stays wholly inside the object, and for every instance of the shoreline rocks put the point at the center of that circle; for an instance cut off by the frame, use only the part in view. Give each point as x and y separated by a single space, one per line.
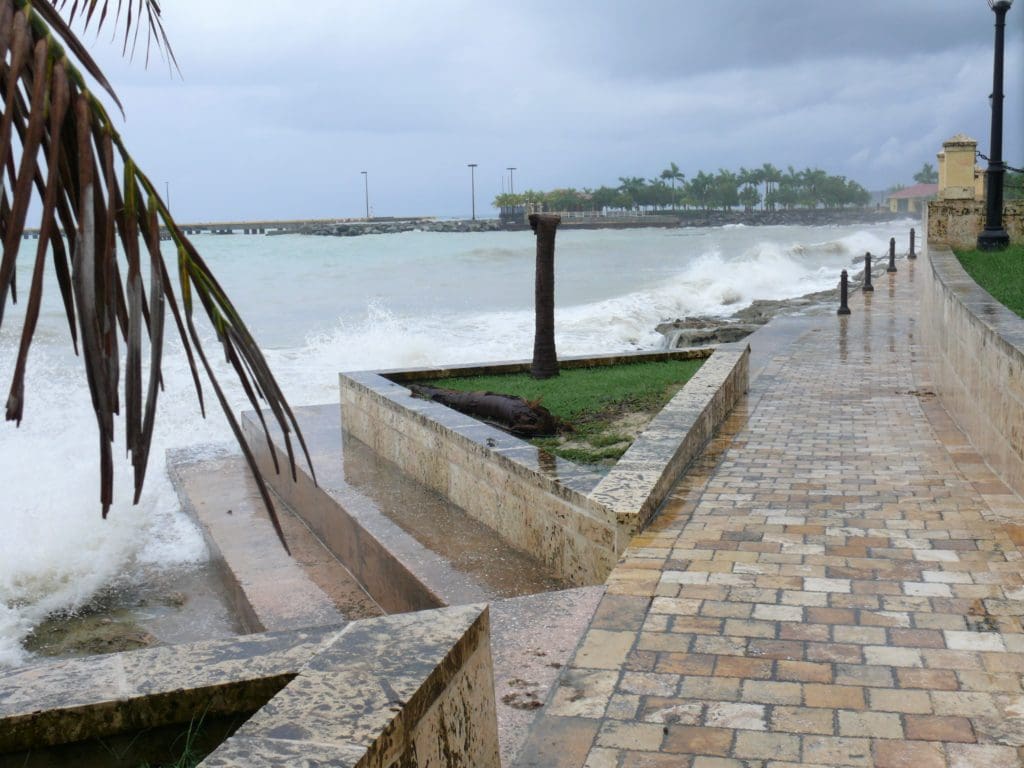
704 330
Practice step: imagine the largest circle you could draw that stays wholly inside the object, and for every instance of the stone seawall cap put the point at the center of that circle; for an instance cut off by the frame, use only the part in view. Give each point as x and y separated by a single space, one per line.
960 140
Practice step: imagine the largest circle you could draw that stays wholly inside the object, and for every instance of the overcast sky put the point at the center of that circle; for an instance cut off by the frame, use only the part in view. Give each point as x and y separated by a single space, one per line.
277 111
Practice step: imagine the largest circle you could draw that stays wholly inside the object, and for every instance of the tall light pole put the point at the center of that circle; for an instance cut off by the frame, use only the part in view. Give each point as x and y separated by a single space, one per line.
472 185
994 237
167 194
366 192
511 180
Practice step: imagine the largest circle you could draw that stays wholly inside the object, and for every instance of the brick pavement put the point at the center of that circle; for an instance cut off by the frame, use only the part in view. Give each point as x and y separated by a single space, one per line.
838 583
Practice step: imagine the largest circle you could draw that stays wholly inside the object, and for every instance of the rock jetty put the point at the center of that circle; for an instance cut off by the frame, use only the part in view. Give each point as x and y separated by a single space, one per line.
393 226
690 218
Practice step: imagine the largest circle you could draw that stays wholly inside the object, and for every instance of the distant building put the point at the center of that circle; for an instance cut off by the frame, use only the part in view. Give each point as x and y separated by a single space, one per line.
912 199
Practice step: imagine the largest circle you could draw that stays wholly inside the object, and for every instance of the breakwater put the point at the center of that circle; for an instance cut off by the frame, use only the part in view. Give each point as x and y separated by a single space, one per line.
572 220
394 226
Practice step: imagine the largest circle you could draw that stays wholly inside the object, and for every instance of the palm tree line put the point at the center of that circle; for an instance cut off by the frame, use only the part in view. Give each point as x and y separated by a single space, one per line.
764 188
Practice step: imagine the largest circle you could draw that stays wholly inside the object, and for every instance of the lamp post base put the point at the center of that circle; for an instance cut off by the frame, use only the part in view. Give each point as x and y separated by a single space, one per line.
993 240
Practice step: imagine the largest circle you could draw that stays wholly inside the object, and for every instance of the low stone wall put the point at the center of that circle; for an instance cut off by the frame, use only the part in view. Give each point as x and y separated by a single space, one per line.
644 476
564 515
976 347
411 689
394 690
956 223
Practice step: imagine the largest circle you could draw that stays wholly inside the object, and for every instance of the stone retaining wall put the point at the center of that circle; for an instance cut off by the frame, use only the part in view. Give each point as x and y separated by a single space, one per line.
976 347
564 515
956 223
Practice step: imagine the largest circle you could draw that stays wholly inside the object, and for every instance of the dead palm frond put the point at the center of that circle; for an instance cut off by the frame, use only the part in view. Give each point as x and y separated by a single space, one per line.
60 148
133 12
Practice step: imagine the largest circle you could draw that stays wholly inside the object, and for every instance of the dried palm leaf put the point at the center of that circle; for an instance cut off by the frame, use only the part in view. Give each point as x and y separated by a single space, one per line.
58 146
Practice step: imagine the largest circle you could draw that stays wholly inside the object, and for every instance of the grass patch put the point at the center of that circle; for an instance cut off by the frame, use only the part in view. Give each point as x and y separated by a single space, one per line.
606 406
1001 273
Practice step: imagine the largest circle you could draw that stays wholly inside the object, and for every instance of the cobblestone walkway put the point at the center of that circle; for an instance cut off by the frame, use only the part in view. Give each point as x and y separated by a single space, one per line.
840 584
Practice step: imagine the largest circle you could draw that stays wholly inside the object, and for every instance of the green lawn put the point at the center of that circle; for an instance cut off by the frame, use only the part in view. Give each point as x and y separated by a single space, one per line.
1001 273
594 401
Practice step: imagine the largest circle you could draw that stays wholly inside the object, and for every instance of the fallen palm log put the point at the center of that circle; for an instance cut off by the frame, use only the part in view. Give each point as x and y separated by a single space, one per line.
520 417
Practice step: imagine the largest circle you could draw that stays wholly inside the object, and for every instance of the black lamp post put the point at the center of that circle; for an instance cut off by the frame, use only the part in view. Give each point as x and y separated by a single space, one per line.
511 180
366 192
994 237
472 186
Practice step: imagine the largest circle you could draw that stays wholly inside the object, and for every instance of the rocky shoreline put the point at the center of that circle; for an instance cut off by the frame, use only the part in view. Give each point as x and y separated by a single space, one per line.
705 330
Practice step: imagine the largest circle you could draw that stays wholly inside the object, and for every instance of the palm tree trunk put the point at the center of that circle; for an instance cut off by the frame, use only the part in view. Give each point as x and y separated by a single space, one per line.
545 359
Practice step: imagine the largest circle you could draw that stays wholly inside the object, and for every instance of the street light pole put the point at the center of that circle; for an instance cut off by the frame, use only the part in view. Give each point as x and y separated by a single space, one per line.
511 180
366 192
472 186
994 236
167 193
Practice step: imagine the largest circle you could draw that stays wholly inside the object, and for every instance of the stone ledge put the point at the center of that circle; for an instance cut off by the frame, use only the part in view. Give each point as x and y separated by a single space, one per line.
642 479
377 691
67 701
413 689
270 590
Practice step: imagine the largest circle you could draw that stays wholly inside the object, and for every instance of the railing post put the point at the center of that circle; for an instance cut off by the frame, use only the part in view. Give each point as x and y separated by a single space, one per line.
912 255
892 255
867 287
844 289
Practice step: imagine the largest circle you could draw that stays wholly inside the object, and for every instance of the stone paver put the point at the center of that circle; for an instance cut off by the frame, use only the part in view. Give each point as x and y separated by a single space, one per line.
831 585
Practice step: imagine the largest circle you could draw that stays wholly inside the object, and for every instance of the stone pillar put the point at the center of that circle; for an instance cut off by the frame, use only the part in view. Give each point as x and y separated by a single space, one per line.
956 168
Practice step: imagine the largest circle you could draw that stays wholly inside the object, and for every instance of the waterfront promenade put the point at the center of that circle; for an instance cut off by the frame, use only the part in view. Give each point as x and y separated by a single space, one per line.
839 583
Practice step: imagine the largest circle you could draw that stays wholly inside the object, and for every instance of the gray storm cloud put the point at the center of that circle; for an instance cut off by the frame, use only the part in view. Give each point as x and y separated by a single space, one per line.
277 113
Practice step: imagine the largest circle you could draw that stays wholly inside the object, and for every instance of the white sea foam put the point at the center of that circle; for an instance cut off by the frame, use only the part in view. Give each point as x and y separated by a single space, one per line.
327 304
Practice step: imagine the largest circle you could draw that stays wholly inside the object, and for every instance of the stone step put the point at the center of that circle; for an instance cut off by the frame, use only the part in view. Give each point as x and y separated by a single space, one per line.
270 590
409 547
413 550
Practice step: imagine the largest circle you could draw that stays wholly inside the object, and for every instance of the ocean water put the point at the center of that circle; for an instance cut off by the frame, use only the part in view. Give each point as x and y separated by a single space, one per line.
321 305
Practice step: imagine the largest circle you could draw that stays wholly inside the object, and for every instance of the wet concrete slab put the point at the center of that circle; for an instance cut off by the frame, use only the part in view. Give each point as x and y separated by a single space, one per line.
532 638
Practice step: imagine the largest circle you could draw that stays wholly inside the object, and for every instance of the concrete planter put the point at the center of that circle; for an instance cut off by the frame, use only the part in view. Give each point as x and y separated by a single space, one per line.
569 517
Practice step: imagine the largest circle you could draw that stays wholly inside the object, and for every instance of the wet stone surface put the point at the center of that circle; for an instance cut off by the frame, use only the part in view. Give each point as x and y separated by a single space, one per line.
839 581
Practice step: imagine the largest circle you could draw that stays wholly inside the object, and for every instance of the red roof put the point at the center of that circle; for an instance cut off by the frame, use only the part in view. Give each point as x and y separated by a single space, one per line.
918 190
